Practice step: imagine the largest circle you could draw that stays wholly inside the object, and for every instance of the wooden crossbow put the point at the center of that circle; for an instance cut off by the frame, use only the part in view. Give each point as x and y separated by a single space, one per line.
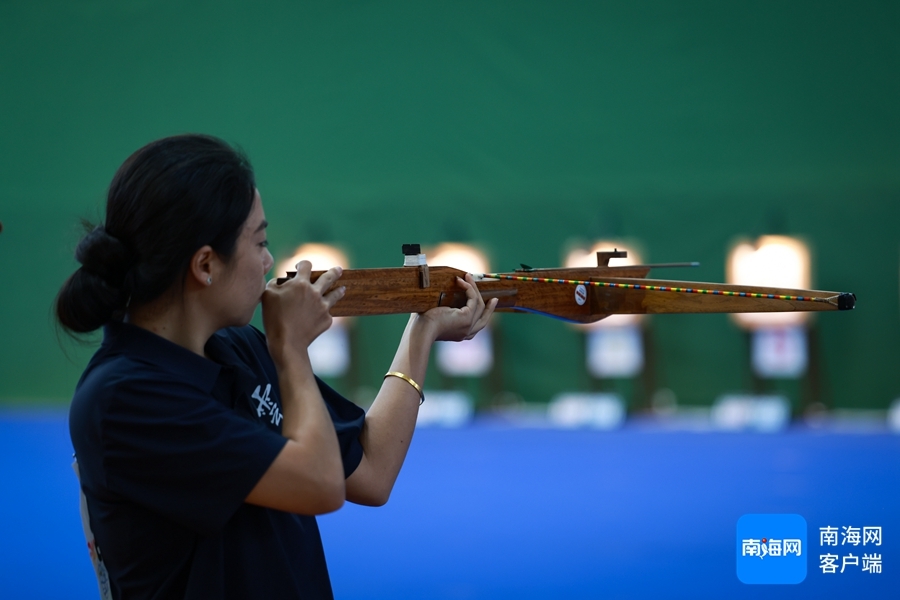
581 294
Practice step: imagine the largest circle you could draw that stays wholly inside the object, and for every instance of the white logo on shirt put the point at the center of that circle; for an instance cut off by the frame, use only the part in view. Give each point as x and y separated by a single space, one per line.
266 406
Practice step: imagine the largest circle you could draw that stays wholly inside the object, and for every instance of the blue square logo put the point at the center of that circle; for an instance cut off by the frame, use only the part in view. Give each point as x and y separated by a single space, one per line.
771 548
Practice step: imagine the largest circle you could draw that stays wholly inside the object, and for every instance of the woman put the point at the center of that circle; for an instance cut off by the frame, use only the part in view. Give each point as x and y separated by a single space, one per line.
204 446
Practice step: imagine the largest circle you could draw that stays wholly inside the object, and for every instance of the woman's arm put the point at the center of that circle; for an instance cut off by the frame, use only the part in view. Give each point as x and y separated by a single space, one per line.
307 476
391 420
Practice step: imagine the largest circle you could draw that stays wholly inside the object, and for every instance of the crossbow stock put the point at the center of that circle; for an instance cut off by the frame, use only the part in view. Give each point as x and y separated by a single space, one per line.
581 294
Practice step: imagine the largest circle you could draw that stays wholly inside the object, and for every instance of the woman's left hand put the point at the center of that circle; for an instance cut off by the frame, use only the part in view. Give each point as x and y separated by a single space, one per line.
391 420
458 324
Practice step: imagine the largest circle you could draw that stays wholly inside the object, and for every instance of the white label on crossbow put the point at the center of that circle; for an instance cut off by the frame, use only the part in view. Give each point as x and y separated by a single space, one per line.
580 294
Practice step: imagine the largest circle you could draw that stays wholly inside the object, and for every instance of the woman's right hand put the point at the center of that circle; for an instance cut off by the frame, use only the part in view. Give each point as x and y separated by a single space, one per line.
297 312
307 476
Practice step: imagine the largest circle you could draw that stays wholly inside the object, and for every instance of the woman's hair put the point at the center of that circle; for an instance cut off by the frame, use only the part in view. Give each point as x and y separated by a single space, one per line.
169 199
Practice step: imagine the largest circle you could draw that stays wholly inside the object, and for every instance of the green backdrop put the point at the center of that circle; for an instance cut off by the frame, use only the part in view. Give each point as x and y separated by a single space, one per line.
519 126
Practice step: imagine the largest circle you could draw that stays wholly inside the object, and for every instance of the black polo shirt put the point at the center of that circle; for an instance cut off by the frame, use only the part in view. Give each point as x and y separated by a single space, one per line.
169 444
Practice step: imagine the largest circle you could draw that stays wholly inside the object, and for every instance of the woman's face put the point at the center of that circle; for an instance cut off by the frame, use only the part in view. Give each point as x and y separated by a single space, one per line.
245 278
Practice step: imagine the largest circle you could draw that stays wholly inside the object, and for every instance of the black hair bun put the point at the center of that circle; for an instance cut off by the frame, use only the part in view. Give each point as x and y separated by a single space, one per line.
104 256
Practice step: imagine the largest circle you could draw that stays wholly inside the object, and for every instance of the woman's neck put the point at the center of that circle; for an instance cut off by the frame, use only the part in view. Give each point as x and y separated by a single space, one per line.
179 322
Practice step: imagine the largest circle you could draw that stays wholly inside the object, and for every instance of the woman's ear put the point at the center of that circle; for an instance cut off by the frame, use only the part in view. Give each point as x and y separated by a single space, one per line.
204 266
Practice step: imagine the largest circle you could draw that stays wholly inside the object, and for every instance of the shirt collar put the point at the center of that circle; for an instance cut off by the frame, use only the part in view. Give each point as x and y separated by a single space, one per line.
146 346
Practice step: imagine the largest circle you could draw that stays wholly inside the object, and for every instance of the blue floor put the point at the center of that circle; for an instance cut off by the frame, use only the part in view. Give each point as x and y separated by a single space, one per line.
498 512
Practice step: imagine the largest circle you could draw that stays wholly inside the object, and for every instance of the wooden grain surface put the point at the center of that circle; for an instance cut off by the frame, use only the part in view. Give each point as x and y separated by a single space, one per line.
399 290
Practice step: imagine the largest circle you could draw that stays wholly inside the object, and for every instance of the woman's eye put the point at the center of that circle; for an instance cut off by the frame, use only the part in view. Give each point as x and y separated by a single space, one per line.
264 244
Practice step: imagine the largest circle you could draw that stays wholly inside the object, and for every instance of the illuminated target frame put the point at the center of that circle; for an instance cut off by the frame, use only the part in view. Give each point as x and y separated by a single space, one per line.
469 360
615 347
779 341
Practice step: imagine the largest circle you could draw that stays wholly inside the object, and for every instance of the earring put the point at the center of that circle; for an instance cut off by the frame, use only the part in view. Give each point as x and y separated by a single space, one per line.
209 281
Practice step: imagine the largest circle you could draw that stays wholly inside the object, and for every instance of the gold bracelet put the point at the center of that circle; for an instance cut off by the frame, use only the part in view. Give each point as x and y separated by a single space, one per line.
408 380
